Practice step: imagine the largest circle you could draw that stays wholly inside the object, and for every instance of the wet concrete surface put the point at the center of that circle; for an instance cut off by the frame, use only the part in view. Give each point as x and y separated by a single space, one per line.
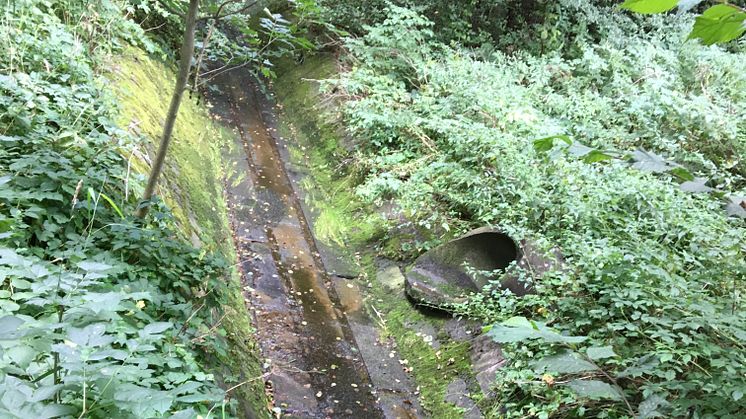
314 363
312 327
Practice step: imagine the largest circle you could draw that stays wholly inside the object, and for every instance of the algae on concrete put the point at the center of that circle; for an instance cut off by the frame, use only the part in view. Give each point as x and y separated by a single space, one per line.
343 220
193 187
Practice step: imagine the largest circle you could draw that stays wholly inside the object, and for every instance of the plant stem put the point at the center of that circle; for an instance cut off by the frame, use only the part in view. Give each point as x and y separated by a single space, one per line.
187 51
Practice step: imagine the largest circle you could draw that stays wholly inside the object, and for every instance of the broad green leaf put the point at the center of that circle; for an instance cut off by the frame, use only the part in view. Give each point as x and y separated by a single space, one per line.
56 410
90 336
647 161
565 363
155 328
520 321
594 389
108 353
649 407
519 328
554 337
682 174
595 156
736 206
737 395
546 144
187 387
718 24
21 355
45 393
184 414
600 352
89 266
101 302
649 6
578 150
10 257
695 186
503 334
645 365
8 326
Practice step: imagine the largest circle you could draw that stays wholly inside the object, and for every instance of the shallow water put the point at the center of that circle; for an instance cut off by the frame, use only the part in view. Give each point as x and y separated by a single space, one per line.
315 367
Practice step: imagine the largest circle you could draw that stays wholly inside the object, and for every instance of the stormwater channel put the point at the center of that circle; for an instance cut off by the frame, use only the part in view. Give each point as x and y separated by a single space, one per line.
313 362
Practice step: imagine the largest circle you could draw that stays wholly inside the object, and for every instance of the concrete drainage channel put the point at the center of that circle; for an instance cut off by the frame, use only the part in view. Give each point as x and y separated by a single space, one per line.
324 355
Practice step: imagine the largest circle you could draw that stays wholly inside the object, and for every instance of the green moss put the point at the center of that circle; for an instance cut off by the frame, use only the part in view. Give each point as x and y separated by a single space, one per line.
192 185
342 219
192 180
432 369
351 225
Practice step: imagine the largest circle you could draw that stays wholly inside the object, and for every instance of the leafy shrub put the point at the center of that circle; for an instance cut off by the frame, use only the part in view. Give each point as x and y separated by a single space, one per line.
644 318
470 22
98 311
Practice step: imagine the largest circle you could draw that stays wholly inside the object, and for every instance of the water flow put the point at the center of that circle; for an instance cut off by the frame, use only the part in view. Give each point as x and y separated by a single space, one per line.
317 370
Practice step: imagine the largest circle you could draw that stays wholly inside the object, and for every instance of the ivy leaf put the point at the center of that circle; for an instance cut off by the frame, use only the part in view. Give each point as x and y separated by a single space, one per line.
719 23
649 6
600 352
565 363
594 390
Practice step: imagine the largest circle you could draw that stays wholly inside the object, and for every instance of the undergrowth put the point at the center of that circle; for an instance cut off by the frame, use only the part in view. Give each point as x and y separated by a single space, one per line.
644 319
101 314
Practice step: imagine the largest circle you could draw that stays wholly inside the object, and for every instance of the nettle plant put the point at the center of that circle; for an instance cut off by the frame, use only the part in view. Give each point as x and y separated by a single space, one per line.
645 318
101 315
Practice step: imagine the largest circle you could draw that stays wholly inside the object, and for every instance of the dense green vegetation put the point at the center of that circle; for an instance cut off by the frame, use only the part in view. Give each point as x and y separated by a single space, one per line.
103 315
654 275
607 135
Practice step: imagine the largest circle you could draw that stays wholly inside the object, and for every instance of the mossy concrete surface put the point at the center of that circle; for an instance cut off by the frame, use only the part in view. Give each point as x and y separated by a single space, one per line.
356 228
193 186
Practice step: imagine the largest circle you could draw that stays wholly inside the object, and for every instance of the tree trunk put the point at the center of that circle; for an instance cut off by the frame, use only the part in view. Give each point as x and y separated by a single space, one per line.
187 50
